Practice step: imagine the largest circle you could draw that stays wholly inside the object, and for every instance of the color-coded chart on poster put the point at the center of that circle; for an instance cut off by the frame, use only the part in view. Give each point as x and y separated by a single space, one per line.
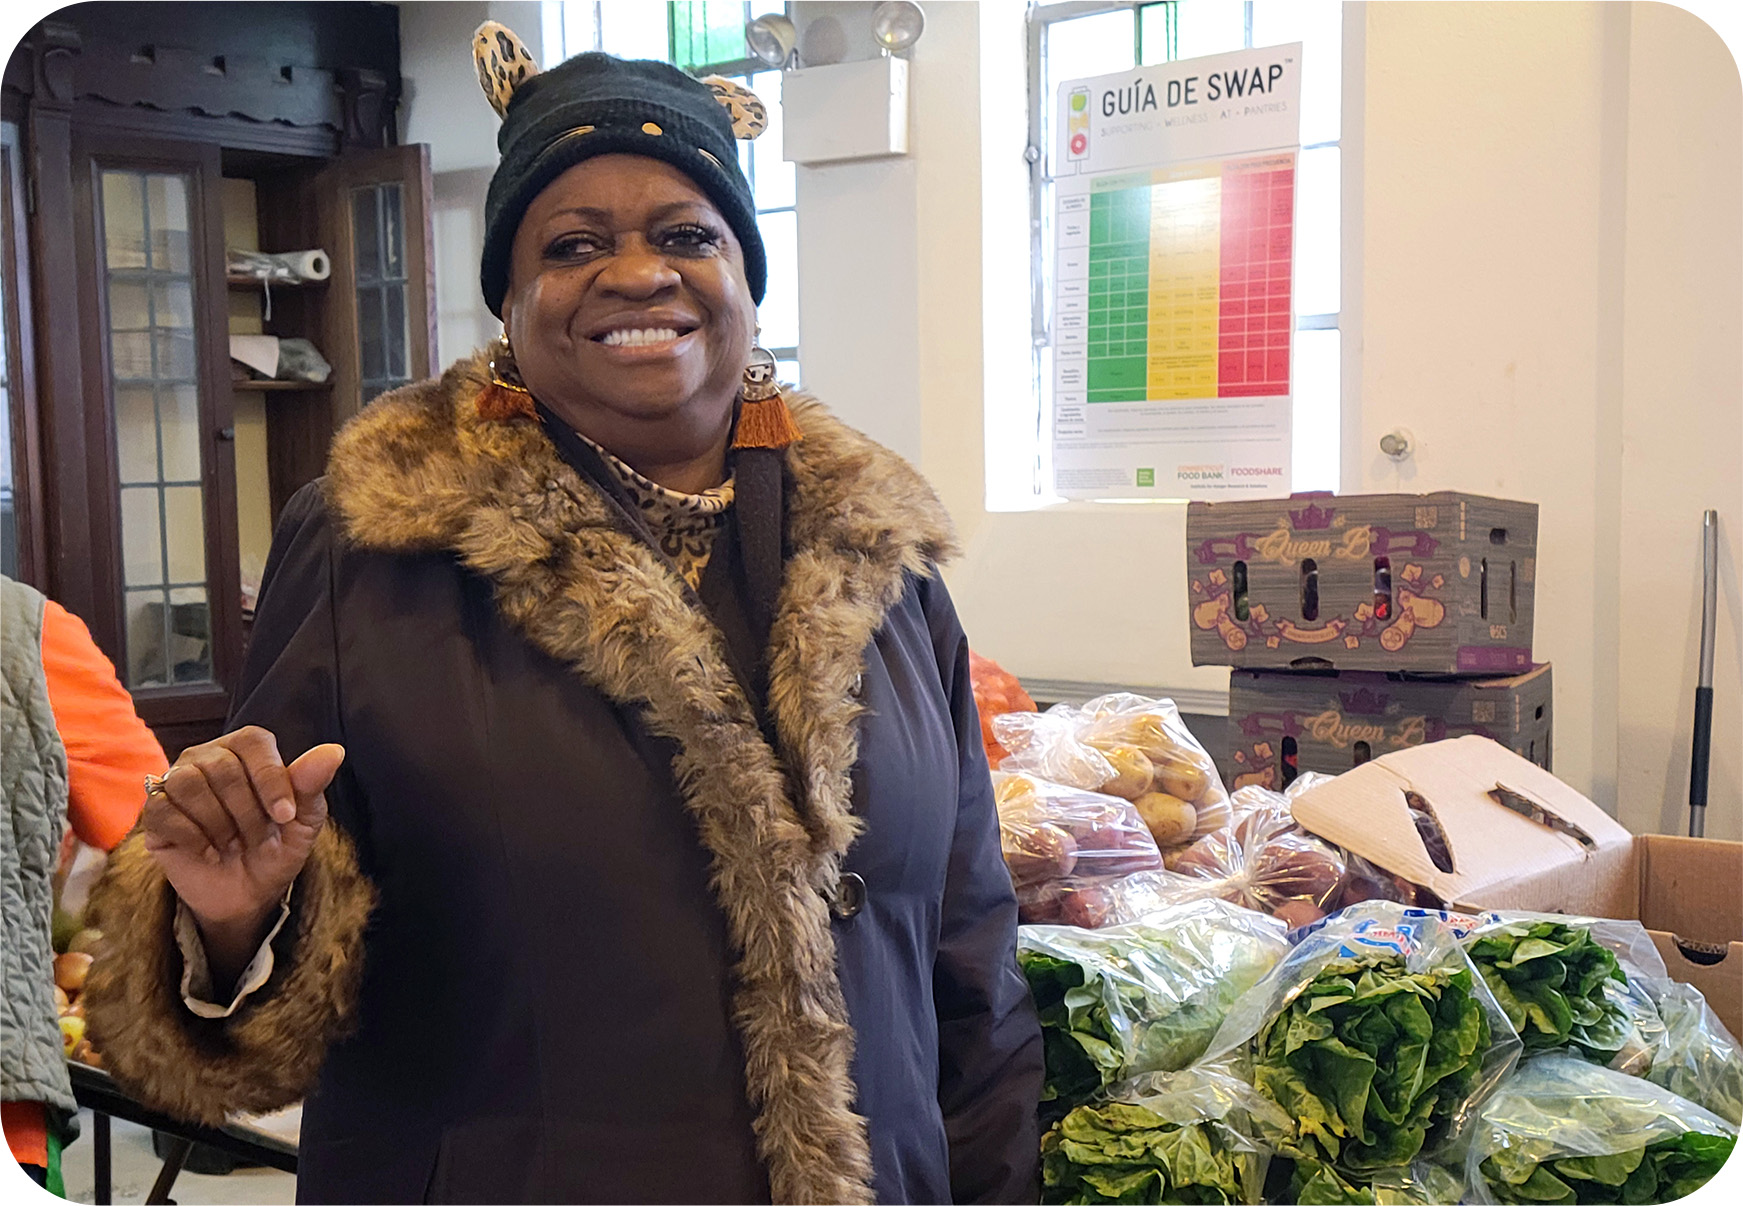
1172 246
1189 281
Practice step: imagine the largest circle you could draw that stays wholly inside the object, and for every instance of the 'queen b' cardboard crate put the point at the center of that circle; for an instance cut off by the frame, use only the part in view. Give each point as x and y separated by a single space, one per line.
1434 583
1332 720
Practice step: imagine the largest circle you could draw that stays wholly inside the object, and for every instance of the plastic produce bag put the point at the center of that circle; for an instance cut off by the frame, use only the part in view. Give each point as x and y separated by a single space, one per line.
1189 1136
1314 1183
1376 1035
1552 978
1561 1130
1143 997
996 692
1128 746
1695 1056
1064 846
1267 862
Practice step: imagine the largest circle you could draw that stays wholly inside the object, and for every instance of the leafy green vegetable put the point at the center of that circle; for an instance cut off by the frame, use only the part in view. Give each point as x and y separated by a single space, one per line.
1314 1183
1662 1171
1696 1057
1128 1153
1145 997
1549 980
1371 1059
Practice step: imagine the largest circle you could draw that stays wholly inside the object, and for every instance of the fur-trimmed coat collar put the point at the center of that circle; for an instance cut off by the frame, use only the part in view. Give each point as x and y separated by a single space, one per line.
419 471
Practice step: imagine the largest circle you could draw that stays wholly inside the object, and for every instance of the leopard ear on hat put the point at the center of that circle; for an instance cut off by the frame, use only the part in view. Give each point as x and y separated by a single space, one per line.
504 63
749 118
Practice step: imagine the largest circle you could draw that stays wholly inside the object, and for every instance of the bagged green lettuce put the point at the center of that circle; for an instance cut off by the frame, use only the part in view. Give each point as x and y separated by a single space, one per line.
1695 1056
1375 1036
1188 1136
1561 1130
1315 1183
1562 983
1147 996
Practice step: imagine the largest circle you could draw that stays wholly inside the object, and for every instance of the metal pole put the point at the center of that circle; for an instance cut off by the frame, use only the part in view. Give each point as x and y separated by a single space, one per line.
1703 740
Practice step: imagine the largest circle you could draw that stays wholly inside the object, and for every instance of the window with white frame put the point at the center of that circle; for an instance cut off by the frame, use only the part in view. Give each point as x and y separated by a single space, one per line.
707 38
1077 40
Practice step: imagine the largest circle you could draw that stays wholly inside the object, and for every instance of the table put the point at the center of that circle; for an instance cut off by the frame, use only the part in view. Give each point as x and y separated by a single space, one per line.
97 1091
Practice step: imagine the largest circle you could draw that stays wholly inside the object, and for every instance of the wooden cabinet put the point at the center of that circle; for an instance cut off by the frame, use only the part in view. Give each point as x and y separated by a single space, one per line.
149 478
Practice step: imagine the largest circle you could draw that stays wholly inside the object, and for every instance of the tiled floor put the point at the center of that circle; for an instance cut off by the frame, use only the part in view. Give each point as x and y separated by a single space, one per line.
134 1167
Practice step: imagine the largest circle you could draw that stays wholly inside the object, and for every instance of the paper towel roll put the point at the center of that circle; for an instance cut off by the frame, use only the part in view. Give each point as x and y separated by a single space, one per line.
307 265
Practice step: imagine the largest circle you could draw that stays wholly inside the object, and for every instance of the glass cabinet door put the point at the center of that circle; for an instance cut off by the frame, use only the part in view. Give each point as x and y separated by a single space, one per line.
155 395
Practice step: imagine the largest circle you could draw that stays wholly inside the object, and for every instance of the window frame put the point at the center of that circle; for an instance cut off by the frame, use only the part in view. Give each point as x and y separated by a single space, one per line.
1041 16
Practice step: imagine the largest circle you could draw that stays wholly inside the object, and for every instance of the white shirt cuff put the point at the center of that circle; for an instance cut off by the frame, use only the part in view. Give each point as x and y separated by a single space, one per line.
197 972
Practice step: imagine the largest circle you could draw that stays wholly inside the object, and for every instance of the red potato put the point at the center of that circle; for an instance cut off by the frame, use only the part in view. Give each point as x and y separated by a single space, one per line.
1296 913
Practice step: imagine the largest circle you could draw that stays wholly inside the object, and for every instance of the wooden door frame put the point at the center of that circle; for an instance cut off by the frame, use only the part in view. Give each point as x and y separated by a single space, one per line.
194 708
26 434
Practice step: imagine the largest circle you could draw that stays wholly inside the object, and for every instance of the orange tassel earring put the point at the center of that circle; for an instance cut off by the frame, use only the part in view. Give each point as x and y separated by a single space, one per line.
505 397
763 418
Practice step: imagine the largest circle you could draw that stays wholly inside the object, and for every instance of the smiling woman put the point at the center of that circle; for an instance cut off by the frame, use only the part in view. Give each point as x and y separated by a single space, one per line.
631 317
604 815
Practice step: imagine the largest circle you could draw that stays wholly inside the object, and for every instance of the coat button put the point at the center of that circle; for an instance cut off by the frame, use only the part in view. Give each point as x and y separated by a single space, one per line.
849 896
858 688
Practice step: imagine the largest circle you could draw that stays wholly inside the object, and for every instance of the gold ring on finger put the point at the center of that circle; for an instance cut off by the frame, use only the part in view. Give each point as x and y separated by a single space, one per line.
154 783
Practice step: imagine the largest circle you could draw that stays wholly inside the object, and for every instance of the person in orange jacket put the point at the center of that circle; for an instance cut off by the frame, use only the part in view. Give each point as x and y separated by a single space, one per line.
108 752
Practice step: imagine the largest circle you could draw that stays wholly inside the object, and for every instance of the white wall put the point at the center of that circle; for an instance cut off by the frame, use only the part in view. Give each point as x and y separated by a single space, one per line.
444 107
1549 274
1548 266
1553 286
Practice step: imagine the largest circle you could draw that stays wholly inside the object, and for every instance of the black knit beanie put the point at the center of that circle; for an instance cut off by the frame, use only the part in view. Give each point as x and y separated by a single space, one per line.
594 104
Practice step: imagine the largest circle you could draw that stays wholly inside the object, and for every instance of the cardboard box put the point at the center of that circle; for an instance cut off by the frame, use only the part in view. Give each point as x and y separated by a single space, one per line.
1687 892
1332 720
1436 583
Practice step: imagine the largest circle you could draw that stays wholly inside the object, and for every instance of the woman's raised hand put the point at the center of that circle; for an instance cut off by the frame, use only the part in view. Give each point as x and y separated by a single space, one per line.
232 825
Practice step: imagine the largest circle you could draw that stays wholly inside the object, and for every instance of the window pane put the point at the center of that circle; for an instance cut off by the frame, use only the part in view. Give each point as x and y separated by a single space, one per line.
175 354
779 313
184 525
129 306
393 232
141 537
178 413
1318 411
366 233
136 434
634 29
172 303
145 639
1157 38
772 176
1211 27
190 635
787 372
1317 226
394 331
154 391
167 209
373 353
707 31
1079 48
124 219
1319 26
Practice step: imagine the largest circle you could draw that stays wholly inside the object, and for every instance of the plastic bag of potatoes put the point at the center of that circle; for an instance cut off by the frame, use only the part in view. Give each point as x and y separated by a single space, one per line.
1067 849
1127 746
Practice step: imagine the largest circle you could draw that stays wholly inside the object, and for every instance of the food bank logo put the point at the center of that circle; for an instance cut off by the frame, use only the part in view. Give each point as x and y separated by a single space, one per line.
1199 473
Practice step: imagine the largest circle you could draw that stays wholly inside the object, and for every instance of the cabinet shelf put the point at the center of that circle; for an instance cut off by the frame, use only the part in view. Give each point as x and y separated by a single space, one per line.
281 387
254 282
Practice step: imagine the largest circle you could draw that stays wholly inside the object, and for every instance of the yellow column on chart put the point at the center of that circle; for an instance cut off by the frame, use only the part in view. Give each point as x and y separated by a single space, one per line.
1185 255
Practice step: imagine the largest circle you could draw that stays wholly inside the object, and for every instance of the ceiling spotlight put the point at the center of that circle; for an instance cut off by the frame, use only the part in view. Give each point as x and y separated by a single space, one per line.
897 24
771 38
